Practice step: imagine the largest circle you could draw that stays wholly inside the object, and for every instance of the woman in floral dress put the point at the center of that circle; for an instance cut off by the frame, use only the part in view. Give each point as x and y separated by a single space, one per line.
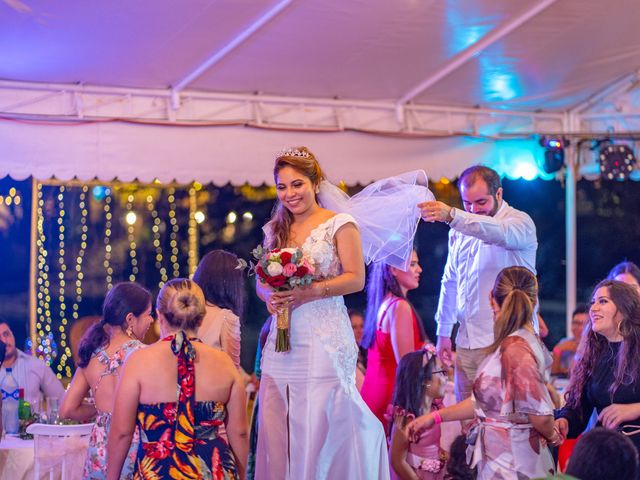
198 433
126 317
510 401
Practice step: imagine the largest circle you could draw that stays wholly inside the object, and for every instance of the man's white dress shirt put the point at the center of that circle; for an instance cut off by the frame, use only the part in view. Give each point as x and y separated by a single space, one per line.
479 247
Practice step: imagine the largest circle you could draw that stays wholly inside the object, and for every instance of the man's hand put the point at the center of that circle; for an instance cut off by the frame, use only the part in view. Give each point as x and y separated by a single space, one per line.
443 350
435 211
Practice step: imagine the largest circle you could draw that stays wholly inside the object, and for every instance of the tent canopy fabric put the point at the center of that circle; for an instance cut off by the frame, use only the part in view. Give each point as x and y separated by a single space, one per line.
374 87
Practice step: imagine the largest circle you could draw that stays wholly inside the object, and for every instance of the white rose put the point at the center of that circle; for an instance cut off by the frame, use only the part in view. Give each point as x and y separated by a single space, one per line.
274 269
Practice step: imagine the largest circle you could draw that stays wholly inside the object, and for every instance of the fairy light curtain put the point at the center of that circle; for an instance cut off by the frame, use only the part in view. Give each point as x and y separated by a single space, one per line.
88 237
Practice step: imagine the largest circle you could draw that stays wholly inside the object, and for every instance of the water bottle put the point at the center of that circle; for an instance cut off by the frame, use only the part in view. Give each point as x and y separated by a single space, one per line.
10 401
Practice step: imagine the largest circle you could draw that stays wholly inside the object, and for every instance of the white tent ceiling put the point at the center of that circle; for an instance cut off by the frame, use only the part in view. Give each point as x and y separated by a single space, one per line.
77 78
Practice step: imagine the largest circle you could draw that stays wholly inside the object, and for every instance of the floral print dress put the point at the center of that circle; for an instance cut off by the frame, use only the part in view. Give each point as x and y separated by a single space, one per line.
509 387
95 466
184 439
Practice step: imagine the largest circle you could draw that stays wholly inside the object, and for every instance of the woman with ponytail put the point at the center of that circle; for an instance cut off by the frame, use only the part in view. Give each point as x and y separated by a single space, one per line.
510 400
126 317
186 398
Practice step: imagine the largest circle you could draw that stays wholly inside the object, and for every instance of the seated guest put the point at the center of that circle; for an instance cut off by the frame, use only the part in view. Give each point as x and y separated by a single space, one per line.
186 397
565 350
126 317
224 292
606 375
31 373
627 272
602 454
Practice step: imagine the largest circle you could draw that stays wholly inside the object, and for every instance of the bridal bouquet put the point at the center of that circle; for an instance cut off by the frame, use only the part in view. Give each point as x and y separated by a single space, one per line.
283 269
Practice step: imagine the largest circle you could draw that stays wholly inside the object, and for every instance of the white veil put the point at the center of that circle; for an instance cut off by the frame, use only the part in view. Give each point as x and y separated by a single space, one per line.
386 212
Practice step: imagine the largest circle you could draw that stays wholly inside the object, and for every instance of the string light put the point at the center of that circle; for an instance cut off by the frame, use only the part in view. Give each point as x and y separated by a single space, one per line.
193 232
199 216
173 235
44 299
61 276
131 219
107 238
155 229
79 277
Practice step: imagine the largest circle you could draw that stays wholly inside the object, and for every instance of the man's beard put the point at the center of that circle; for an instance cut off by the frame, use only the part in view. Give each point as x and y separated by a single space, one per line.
495 208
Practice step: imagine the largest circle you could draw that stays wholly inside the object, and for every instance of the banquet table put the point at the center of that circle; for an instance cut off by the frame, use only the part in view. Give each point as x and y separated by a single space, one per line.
16 458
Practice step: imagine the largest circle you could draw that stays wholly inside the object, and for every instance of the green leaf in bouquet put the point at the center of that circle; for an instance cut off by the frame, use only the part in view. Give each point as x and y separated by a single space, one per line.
297 256
242 264
258 252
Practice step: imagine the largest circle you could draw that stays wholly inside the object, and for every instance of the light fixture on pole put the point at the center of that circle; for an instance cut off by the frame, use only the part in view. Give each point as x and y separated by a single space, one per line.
616 161
553 153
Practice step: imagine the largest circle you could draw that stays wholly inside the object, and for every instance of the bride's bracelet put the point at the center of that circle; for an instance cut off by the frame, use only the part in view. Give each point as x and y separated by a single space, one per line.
325 293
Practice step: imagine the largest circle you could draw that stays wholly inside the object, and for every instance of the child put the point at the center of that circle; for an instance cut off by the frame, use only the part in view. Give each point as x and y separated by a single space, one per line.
420 384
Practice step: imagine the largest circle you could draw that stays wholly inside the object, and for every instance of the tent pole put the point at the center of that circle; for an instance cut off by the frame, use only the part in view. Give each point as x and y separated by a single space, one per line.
571 222
33 271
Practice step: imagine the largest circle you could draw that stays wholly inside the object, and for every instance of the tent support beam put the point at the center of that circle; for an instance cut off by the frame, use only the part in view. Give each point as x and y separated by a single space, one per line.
467 54
611 90
229 47
571 125
64 103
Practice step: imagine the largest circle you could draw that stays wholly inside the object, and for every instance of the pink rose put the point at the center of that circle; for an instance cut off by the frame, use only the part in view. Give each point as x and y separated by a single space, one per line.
289 270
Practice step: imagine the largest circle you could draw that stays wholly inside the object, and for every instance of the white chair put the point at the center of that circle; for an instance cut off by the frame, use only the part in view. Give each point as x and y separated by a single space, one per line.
59 450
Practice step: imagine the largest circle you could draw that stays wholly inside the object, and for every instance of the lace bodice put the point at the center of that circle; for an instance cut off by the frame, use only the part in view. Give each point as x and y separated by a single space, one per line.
321 248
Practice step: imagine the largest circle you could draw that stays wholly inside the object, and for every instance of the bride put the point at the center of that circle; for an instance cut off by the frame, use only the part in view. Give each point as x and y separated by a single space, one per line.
313 422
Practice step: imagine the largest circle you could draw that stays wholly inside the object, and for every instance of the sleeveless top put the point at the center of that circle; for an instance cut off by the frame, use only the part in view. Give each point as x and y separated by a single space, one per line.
380 377
95 465
184 439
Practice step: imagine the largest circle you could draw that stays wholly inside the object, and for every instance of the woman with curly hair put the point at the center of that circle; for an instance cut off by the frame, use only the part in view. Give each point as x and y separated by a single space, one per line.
606 375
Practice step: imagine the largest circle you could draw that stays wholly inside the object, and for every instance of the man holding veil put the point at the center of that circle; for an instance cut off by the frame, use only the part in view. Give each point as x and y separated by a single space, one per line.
485 237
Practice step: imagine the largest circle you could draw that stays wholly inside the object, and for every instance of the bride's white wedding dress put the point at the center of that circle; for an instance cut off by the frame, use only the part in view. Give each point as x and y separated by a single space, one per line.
313 422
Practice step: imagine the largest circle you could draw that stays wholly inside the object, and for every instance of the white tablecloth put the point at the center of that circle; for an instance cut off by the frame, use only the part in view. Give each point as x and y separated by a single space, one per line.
16 458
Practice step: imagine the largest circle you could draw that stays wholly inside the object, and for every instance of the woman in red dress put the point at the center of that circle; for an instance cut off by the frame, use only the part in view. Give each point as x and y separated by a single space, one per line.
391 330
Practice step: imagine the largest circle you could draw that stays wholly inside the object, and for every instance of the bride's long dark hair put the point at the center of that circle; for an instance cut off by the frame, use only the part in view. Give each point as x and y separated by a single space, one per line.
278 226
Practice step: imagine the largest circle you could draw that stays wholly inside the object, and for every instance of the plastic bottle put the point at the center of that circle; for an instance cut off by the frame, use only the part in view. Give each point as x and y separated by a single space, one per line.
24 407
10 403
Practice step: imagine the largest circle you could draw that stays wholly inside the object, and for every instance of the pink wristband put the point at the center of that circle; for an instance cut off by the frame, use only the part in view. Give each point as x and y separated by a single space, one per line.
437 419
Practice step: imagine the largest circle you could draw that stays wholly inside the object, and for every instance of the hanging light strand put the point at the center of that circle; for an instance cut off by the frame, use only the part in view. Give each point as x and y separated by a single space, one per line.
79 278
61 277
192 231
131 220
173 235
155 229
44 299
107 239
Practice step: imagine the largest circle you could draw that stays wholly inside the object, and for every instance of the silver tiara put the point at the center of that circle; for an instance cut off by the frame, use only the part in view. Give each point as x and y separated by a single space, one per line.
293 152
